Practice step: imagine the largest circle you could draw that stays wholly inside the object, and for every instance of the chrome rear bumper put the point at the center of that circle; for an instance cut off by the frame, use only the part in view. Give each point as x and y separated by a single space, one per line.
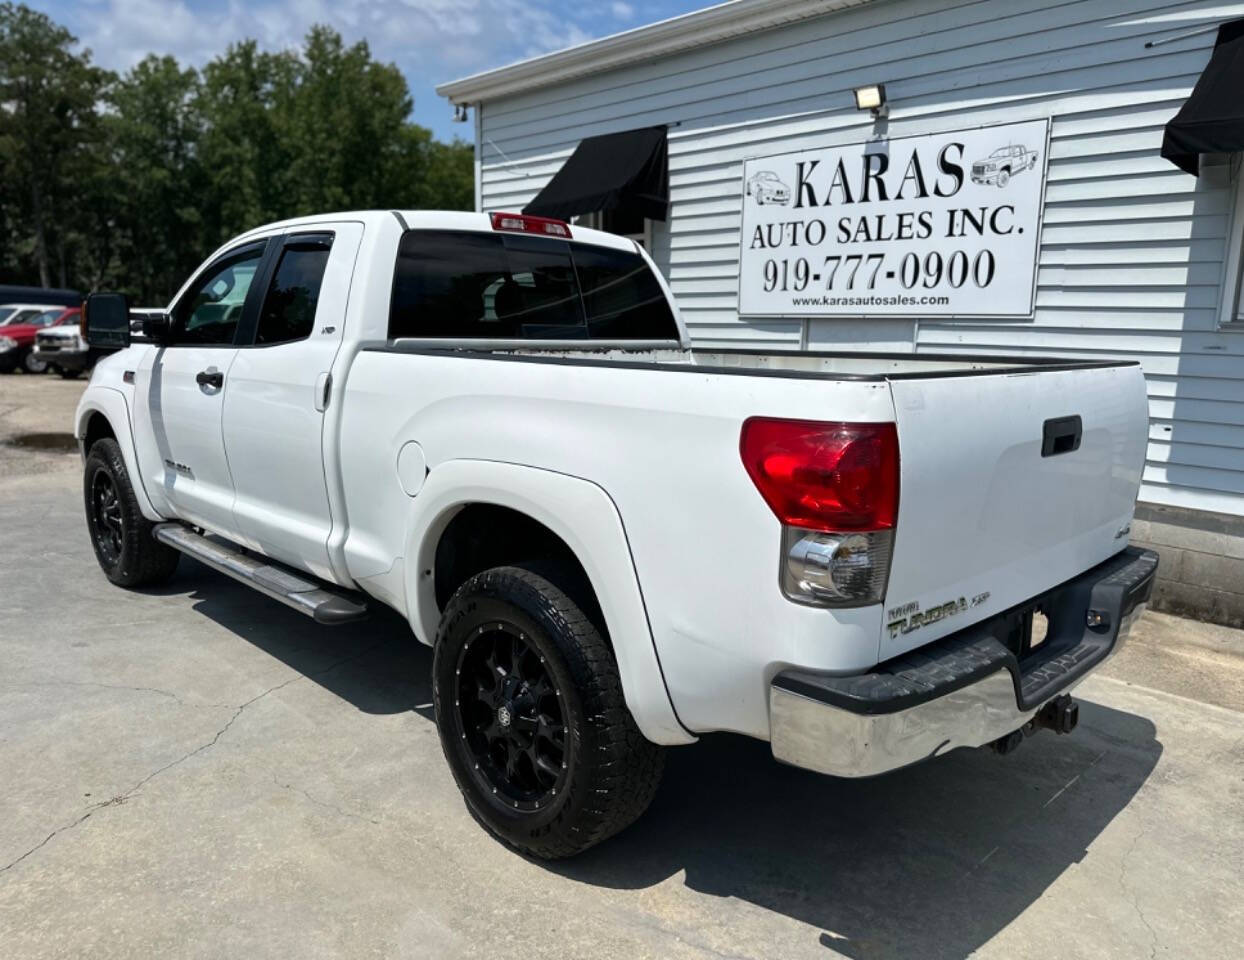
966 690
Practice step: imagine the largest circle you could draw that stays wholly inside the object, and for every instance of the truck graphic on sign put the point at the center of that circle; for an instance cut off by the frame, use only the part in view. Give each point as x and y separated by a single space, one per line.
1002 164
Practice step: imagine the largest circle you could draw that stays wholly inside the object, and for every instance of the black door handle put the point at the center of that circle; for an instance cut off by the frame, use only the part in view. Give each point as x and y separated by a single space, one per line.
210 378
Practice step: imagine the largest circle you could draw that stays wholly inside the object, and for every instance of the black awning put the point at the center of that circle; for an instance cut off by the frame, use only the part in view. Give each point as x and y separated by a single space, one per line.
1212 120
627 170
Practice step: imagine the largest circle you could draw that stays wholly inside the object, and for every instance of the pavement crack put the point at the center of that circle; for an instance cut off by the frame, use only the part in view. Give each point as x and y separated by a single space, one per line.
123 797
46 840
1134 898
322 803
110 686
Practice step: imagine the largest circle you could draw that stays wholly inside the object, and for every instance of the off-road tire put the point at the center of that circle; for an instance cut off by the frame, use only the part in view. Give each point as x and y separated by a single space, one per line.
612 771
141 560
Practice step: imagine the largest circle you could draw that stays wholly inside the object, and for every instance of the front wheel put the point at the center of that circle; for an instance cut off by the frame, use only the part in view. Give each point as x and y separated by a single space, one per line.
125 546
1004 178
32 364
532 720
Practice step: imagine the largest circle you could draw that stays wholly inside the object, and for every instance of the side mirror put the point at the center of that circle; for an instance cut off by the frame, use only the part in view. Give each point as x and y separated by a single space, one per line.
106 321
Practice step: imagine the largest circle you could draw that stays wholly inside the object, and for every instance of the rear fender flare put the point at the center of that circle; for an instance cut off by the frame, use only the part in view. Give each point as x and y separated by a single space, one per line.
586 519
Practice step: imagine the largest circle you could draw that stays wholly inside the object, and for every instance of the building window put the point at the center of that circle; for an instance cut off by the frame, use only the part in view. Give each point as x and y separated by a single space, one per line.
1239 246
625 223
1231 316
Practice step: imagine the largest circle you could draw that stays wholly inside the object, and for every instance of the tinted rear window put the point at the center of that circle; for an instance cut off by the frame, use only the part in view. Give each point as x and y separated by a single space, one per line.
288 311
508 286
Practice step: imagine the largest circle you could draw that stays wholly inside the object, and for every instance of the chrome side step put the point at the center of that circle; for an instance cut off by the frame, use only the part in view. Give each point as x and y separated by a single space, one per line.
297 590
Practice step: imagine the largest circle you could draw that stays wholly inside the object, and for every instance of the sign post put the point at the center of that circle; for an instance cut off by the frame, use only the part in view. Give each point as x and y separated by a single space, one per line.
942 225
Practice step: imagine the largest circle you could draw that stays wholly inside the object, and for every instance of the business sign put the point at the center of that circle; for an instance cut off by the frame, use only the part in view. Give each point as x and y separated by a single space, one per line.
933 226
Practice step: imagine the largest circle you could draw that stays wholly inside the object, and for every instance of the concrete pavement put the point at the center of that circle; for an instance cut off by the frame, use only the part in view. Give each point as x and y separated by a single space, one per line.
197 771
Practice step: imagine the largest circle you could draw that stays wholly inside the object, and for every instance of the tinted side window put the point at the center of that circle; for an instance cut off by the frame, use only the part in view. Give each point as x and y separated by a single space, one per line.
210 311
288 311
483 285
621 296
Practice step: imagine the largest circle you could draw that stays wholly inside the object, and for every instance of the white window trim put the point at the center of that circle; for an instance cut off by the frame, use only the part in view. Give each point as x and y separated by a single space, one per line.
1231 311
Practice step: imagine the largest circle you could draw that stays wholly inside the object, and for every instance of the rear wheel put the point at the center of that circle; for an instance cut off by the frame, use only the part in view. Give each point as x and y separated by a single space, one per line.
125 547
69 374
531 717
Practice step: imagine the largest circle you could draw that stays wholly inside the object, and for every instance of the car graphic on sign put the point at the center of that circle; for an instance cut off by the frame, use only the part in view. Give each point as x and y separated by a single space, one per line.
765 187
1002 164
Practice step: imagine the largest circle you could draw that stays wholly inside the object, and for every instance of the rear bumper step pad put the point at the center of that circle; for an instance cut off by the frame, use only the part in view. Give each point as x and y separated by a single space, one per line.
296 590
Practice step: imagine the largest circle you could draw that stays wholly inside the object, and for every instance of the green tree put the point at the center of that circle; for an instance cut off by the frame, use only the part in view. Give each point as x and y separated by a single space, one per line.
129 182
325 129
49 128
242 150
155 180
343 124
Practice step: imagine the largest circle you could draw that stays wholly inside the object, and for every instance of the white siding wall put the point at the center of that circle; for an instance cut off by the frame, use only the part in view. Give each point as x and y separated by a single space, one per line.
1132 260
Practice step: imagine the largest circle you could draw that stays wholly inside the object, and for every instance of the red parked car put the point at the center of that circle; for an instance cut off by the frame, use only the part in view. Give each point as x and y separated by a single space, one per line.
18 331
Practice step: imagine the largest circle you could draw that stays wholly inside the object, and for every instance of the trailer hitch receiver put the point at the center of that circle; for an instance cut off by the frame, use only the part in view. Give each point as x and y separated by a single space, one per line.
1060 715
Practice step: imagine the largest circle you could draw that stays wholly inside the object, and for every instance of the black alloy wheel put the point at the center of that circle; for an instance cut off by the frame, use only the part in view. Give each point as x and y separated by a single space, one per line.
123 539
531 716
107 521
512 722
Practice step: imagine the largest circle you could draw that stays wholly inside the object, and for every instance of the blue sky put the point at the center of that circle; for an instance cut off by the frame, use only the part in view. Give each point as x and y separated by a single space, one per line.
430 40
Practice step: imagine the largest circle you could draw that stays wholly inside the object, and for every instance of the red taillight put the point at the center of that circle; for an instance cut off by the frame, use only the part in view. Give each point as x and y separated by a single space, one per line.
522 223
834 477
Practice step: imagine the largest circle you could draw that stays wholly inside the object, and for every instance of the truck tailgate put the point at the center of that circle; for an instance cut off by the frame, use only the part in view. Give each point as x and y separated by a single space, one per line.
998 500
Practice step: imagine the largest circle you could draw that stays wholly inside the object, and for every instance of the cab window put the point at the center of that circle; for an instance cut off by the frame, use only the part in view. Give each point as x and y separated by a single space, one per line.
211 310
288 312
453 284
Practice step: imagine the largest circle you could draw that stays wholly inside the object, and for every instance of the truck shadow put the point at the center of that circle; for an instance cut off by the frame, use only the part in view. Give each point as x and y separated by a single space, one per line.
376 665
928 862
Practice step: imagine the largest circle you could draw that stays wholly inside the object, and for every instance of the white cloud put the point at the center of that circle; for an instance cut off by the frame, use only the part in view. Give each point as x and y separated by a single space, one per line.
432 40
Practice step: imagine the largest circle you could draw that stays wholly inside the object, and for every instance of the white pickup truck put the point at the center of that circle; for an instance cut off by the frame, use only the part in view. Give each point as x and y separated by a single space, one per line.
496 426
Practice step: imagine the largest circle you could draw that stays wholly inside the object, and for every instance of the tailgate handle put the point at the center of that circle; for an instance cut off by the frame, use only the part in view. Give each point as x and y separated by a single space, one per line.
1061 435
